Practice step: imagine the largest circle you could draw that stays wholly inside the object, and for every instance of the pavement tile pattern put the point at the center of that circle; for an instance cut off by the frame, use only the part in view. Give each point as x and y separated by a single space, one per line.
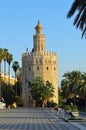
32 119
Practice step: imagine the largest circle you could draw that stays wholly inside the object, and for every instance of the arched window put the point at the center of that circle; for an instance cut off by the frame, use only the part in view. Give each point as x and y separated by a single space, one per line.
37 68
29 84
37 61
47 68
54 68
29 68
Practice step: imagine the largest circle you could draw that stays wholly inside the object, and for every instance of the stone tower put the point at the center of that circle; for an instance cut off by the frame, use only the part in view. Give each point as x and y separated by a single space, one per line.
40 63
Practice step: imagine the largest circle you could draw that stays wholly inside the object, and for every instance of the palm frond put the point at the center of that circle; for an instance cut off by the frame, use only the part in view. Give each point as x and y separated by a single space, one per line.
79 6
78 15
84 32
74 7
83 20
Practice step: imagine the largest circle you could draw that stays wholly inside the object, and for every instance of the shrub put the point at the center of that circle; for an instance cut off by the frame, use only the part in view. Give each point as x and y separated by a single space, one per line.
51 104
62 105
71 108
19 101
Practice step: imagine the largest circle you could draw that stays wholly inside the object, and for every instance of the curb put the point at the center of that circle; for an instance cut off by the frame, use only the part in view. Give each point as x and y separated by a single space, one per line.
75 120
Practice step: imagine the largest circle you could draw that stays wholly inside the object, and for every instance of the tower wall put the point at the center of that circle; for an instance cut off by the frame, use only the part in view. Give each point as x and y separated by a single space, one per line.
39 63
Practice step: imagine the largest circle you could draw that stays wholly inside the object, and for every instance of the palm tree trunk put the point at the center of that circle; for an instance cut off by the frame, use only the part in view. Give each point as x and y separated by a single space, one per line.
0 83
15 85
0 93
0 87
4 75
0 68
20 88
4 67
85 104
9 73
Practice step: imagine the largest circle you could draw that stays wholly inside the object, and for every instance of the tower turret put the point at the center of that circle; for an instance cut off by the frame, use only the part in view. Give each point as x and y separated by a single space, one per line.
39 39
38 28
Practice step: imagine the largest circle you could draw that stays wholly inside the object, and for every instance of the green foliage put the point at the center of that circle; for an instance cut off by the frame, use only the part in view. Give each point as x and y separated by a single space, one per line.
18 101
78 7
36 88
62 105
9 96
73 85
15 66
51 104
74 108
71 108
41 91
60 98
68 107
17 87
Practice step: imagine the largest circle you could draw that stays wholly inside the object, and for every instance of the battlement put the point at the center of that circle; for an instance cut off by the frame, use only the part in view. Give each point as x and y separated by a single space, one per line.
39 53
24 54
50 53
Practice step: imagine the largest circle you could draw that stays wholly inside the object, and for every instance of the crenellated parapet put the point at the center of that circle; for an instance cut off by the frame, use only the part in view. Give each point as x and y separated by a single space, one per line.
37 53
50 54
24 54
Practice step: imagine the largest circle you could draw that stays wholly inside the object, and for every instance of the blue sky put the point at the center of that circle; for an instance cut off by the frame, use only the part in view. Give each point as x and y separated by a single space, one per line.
18 19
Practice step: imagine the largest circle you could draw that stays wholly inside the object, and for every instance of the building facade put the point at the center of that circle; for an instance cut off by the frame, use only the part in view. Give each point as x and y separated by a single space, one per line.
8 79
39 63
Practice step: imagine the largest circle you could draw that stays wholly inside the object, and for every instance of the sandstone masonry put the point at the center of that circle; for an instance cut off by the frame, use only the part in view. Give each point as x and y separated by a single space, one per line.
40 63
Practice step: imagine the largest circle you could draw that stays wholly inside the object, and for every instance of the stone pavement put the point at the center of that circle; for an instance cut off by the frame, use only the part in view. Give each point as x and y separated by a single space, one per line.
79 124
33 119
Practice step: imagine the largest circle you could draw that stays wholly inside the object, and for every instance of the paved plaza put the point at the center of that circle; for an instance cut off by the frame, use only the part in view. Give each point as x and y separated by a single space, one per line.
35 119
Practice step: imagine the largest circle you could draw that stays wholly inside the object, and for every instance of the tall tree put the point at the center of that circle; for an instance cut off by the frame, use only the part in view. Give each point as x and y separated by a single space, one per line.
5 59
19 77
9 60
0 87
5 52
70 84
1 58
15 67
40 91
79 7
65 88
9 96
19 73
82 88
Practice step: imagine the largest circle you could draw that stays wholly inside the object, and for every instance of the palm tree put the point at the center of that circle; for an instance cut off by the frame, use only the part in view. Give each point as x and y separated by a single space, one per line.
5 59
65 88
15 67
19 74
73 77
5 52
40 91
79 7
1 58
9 60
82 88
67 84
70 84
0 87
19 77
